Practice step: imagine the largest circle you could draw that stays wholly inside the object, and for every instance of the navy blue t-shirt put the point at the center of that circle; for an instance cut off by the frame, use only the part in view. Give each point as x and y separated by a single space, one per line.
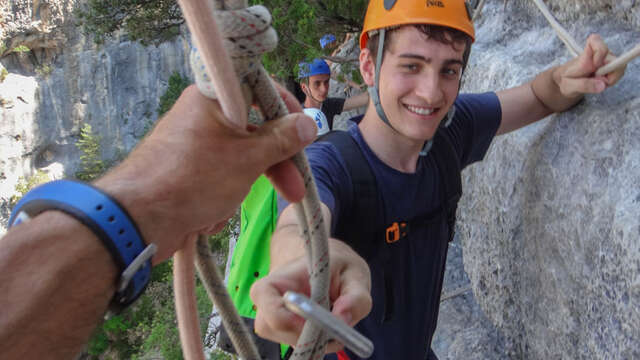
415 264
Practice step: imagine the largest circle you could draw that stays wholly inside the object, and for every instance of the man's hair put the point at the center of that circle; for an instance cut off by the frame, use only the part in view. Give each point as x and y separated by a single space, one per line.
442 34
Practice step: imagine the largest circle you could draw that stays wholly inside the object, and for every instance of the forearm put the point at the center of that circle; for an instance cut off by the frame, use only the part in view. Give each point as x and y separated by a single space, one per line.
546 88
356 101
56 280
533 101
287 242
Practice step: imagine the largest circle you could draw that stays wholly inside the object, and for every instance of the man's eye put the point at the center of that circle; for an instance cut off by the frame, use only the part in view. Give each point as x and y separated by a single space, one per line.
450 72
410 67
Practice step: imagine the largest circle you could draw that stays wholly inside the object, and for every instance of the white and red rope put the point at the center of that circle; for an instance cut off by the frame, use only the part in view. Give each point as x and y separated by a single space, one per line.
246 35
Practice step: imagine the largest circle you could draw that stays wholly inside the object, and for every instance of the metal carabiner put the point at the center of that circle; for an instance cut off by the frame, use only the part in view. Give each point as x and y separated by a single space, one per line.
338 330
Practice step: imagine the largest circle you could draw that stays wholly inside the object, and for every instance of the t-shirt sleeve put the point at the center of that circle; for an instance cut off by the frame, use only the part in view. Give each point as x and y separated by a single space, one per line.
474 125
331 176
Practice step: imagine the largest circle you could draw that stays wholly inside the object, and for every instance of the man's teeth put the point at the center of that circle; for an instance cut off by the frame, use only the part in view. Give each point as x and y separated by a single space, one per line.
420 110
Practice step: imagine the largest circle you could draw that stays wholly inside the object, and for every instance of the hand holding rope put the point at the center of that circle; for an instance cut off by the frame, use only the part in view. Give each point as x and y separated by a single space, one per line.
247 34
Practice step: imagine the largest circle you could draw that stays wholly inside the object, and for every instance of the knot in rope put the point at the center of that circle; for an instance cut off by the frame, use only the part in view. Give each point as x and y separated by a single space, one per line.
247 34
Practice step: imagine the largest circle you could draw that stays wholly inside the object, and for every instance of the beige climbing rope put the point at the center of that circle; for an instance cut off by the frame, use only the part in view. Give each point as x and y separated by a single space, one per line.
477 11
247 35
620 61
575 48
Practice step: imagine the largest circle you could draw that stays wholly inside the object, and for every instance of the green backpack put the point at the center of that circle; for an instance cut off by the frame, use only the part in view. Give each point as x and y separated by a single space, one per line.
251 260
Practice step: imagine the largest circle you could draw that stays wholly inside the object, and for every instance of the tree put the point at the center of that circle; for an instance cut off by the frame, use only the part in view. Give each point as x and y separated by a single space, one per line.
91 164
300 25
149 21
177 84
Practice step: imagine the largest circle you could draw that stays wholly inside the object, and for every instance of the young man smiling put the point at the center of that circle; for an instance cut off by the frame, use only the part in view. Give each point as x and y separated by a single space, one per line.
416 136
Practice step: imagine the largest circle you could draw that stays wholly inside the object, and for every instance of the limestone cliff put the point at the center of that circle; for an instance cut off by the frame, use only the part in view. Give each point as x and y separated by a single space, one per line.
550 220
65 80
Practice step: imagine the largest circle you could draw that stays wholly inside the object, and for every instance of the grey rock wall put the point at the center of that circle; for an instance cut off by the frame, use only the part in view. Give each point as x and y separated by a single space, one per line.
550 220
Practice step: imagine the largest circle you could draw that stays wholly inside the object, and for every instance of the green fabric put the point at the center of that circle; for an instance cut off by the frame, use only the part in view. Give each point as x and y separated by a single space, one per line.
250 260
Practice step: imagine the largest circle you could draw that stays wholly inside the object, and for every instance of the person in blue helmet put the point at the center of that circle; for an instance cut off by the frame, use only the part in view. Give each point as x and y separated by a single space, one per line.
314 79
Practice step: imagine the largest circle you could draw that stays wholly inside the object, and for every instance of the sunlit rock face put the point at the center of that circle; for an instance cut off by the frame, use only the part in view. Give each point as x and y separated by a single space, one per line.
550 220
65 81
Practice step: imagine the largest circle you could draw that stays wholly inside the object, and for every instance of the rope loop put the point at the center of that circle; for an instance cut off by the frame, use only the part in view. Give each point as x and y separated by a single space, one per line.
247 34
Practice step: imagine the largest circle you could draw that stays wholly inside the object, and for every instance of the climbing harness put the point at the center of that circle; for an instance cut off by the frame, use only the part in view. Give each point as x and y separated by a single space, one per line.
247 35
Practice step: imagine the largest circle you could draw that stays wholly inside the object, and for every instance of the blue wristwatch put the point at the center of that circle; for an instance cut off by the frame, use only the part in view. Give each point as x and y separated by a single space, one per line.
108 220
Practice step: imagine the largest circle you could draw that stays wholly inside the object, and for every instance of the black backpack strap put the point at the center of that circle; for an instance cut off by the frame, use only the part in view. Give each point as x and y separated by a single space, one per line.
449 169
360 223
448 164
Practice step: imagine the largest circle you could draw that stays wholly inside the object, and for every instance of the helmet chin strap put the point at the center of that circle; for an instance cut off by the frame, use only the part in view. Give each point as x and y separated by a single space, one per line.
446 122
374 95
309 94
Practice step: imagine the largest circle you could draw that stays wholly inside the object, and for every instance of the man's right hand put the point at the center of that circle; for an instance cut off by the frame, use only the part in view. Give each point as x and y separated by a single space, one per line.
349 294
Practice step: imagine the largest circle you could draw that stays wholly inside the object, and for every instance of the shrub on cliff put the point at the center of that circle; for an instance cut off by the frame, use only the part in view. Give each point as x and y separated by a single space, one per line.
91 164
300 25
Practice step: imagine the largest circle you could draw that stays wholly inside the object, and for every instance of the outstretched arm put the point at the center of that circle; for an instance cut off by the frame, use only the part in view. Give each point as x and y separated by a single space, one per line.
57 278
349 291
356 101
557 89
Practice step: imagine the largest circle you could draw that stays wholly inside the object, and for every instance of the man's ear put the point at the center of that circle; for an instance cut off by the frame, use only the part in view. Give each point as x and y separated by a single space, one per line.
367 67
305 88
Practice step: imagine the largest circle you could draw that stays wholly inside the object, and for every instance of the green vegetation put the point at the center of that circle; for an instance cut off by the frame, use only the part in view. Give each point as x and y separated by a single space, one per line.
149 21
44 70
219 242
150 325
25 184
177 84
3 73
91 163
3 48
20 49
299 23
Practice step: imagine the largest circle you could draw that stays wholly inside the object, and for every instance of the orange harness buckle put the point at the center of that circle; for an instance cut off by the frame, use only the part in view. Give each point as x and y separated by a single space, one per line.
396 231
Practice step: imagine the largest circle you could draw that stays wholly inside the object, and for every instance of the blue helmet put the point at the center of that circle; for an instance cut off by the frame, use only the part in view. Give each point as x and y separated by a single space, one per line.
316 67
326 40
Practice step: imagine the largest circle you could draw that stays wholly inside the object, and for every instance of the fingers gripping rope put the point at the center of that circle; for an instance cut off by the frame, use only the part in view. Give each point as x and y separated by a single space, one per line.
247 34
575 49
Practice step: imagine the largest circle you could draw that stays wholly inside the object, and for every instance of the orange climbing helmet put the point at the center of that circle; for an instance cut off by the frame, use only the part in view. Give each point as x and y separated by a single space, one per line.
383 14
